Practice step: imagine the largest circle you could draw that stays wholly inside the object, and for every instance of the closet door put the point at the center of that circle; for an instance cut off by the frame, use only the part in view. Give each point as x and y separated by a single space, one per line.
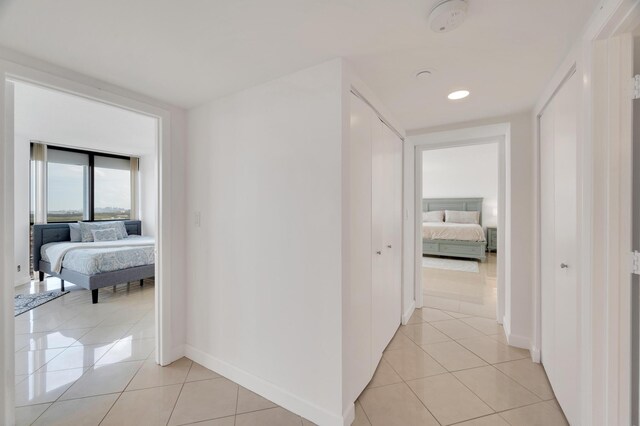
379 263
559 245
358 297
393 230
387 223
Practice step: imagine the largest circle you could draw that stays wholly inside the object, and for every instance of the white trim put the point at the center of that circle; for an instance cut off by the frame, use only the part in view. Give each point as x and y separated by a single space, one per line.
349 415
499 133
515 340
407 314
535 354
23 279
7 256
269 390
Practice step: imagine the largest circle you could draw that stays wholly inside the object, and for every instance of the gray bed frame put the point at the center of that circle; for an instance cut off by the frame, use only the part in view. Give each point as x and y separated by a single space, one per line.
59 232
454 248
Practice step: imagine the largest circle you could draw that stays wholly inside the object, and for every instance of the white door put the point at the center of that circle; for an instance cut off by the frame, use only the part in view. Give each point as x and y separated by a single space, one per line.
393 231
358 298
558 179
386 238
379 271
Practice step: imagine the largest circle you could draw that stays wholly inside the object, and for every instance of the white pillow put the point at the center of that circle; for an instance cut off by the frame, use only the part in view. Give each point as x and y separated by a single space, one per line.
453 216
433 216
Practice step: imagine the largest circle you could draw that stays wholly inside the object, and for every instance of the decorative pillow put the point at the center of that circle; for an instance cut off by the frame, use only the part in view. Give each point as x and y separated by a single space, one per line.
87 227
74 230
433 216
108 234
453 216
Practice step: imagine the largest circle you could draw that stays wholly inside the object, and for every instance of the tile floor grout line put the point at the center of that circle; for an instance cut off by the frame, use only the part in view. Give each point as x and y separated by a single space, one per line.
474 393
416 395
235 416
110 408
36 419
175 404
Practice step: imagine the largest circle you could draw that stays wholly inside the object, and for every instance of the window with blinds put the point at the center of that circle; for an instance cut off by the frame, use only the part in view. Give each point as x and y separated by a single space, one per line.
81 185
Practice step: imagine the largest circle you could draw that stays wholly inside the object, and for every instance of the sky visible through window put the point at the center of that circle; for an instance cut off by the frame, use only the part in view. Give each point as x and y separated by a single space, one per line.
66 192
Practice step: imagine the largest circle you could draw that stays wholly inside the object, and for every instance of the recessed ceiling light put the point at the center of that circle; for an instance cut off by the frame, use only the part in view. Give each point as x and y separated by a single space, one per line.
458 94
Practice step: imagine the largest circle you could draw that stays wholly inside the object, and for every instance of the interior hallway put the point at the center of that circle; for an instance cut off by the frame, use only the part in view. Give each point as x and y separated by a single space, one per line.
441 370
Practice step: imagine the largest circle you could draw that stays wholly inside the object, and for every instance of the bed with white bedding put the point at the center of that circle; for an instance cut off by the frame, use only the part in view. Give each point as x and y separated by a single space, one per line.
93 264
444 235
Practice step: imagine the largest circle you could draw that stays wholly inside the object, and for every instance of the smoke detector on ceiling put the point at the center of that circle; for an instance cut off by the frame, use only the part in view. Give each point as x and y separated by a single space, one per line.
447 15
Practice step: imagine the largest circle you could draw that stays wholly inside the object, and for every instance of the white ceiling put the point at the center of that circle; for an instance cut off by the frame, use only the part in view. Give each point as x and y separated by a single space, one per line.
188 52
68 120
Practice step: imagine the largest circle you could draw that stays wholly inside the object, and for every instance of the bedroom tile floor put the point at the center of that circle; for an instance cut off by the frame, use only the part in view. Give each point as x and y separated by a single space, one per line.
84 364
463 293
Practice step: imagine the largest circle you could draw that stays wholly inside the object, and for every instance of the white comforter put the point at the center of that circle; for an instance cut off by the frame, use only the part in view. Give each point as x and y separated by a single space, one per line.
452 231
56 252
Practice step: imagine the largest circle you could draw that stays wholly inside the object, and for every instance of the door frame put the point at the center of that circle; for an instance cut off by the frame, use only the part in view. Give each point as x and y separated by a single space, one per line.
500 134
13 71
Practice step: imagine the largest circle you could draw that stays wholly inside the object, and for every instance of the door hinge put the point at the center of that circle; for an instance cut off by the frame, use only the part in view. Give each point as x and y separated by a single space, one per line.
635 262
635 84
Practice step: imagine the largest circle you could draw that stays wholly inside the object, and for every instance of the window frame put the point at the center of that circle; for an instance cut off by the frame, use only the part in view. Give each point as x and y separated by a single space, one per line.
91 183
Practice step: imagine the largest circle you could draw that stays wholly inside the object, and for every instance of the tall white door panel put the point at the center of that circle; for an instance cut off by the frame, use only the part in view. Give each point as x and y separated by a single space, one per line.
358 296
560 352
379 218
387 190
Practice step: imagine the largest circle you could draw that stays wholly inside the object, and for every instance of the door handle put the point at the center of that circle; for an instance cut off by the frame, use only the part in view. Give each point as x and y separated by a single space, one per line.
389 246
564 266
378 252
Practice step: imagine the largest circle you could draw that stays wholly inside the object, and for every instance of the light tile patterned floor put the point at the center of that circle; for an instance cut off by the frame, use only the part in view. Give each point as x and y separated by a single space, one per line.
463 293
81 364
441 370
84 364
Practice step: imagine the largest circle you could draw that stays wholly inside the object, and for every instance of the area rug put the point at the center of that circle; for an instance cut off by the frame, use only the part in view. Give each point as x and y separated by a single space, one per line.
450 264
25 302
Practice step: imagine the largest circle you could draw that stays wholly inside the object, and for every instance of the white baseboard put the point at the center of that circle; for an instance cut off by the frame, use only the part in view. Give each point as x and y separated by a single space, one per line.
407 314
349 415
268 390
21 280
177 352
515 340
535 354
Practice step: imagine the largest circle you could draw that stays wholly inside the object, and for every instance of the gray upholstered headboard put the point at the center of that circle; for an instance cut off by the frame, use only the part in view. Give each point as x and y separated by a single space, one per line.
55 232
459 204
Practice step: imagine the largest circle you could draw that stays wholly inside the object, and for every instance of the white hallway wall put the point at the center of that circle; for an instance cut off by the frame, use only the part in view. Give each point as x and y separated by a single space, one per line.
520 218
265 263
72 121
463 172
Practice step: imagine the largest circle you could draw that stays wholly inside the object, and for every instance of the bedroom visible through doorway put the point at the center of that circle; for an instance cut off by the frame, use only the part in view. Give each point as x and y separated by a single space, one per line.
460 229
81 163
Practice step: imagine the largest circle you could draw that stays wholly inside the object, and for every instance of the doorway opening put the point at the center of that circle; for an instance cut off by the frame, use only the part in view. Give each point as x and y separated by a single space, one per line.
500 136
460 229
46 332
